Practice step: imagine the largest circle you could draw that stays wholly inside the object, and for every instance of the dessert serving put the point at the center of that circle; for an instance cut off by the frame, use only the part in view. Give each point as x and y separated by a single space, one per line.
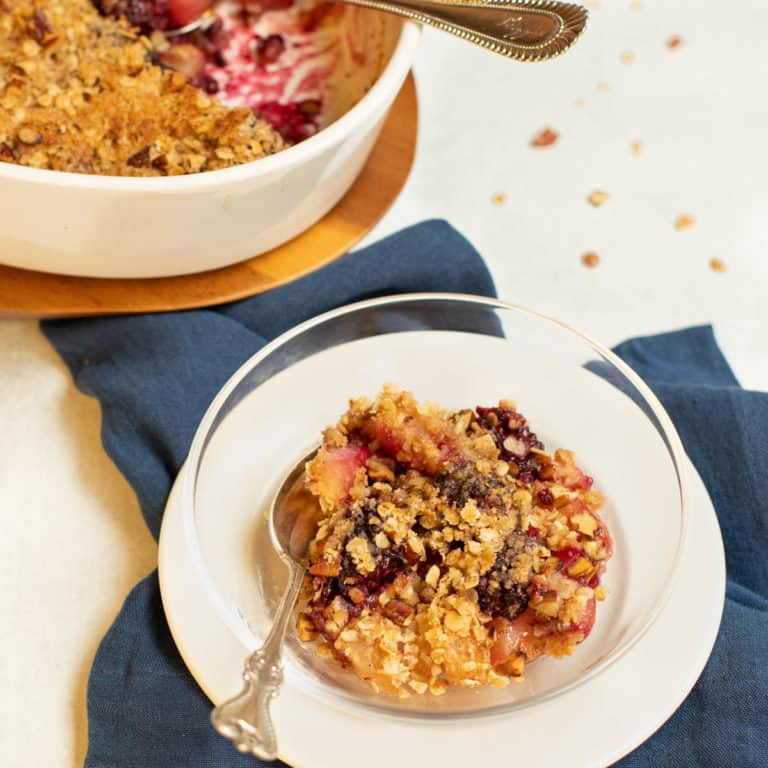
453 548
109 89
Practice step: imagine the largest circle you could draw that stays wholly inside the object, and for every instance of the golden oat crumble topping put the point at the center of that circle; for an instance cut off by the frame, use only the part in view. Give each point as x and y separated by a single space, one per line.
79 92
453 548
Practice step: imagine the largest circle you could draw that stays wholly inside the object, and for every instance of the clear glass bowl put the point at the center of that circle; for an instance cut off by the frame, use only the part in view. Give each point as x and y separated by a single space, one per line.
459 351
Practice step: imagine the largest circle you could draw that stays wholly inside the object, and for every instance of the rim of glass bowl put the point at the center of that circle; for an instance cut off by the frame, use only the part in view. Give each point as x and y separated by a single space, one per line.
347 701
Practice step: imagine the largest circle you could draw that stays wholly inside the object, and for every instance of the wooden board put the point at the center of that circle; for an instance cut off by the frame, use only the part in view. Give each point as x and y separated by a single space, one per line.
24 293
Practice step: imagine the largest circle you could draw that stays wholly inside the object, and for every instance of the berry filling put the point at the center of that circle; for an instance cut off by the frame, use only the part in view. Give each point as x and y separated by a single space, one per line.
145 15
272 56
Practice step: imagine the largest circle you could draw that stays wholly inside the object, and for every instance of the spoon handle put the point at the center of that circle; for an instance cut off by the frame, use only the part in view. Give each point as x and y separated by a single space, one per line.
526 30
245 719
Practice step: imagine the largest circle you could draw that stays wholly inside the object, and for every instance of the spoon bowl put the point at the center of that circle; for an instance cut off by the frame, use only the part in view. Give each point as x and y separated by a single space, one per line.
294 516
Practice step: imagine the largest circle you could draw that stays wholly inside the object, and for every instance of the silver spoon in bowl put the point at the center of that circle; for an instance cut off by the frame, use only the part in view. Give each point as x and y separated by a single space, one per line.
525 30
294 515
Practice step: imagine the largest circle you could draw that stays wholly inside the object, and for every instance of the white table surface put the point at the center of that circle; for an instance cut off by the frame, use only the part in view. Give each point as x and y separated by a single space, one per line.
72 542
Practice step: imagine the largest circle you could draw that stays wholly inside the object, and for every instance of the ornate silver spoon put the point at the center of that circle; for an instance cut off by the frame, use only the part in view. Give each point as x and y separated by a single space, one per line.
526 30
245 719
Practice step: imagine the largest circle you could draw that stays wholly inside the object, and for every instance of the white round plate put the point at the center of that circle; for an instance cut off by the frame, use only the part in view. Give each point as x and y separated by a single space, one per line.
629 700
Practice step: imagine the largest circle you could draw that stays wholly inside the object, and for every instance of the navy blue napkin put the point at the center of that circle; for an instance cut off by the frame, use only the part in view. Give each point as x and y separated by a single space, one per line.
154 375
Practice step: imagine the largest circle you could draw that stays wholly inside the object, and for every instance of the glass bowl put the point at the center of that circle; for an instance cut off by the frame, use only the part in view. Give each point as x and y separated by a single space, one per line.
459 351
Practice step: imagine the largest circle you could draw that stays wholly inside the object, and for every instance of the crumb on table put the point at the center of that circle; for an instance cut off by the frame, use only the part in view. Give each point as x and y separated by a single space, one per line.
546 137
684 221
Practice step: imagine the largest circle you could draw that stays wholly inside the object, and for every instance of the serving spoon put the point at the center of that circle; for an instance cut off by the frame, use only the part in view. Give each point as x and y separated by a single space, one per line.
525 30
294 515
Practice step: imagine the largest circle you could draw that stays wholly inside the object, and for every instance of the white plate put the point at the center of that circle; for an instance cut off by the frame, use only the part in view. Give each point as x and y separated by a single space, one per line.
629 700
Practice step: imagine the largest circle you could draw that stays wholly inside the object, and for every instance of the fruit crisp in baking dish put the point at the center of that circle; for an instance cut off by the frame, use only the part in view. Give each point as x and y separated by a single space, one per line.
101 88
80 92
453 548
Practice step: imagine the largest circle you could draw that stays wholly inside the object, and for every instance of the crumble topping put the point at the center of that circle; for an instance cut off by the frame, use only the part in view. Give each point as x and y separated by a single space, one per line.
453 549
81 92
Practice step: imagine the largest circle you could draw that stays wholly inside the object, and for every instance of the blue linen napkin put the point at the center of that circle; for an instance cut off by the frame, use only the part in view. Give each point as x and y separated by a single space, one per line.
154 375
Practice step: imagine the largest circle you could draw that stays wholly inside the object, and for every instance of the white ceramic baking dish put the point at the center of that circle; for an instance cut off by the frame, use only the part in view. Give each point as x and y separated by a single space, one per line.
109 226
